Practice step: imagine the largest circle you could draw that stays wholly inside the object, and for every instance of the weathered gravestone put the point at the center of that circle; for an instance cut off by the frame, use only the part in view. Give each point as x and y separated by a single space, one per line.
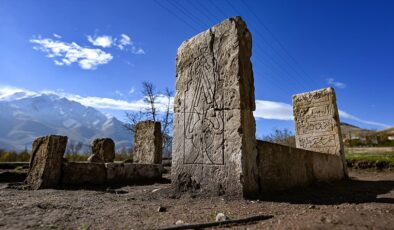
147 143
103 150
317 123
214 144
46 162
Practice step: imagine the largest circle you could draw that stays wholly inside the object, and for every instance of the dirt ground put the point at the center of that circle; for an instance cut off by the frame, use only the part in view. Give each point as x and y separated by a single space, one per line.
365 202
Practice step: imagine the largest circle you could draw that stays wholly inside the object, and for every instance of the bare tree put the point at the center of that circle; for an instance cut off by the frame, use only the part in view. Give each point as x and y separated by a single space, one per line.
74 147
150 96
280 136
133 118
158 108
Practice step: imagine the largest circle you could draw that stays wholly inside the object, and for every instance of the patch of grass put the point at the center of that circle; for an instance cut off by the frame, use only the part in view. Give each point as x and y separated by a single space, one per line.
388 157
368 160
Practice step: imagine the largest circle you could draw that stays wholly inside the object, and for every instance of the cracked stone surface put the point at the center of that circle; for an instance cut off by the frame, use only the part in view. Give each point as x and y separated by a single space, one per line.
214 144
46 161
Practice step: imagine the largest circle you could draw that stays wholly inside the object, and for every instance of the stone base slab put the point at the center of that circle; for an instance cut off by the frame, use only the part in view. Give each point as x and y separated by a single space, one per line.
87 173
83 173
282 167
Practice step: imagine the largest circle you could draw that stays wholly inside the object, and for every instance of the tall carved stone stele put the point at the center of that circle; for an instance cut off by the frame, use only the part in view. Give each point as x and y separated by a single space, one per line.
46 162
214 143
317 123
147 143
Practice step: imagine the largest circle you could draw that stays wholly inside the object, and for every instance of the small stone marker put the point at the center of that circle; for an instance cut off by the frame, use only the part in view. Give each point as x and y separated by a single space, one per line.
147 143
103 150
46 161
317 123
214 143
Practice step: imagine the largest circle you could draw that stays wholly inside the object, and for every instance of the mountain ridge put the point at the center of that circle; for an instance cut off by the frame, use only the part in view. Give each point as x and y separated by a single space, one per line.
23 118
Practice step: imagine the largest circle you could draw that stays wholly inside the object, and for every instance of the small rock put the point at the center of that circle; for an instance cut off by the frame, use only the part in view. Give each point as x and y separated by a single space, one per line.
155 190
179 222
161 209
311 206
221 217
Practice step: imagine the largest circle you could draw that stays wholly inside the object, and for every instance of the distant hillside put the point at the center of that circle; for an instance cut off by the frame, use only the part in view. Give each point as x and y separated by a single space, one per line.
354 136
389 131
23 118
348 129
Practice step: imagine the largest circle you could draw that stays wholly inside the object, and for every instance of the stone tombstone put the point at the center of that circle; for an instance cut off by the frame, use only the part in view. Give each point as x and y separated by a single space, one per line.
46 161
317 123
103 150
214 142
147 143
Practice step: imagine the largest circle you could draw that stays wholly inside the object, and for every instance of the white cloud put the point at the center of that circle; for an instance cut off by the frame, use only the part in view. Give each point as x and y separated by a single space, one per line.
137 50
283 111
104 41
346 115
336 84
273 110
125 43
57 36
109 103
8 93
132 90
67 53
120 94
264 109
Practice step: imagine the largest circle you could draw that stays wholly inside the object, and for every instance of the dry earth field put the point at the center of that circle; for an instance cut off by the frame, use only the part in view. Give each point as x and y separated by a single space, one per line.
366 202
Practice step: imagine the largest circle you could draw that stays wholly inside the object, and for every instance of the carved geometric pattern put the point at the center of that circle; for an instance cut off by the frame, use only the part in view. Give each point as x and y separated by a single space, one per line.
203 115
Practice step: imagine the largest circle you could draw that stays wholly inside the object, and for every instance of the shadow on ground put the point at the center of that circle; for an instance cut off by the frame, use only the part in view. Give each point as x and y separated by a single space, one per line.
347 191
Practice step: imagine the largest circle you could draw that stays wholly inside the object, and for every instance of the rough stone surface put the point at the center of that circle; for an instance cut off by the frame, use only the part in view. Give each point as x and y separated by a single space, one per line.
95 159
126 173
83 173
104 148
283 167
317 123
214 144
147 143
46 162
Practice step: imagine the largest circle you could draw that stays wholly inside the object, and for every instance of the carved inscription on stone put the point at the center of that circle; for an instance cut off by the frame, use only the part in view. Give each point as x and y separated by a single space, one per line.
214 143
203 114
316 121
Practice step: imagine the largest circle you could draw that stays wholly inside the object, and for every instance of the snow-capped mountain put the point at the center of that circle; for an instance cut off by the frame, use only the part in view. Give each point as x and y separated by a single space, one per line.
25 117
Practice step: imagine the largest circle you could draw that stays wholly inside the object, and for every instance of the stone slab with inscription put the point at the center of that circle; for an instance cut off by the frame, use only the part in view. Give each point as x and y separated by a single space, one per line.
214 144
317 123
147 143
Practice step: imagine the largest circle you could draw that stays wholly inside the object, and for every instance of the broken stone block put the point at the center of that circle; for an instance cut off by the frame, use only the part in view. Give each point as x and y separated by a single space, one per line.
104 148
126 173
46 161
147 143
214 143
95 159
317 123
83 173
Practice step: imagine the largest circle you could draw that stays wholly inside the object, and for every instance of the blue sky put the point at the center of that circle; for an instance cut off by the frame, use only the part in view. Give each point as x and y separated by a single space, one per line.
99 52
